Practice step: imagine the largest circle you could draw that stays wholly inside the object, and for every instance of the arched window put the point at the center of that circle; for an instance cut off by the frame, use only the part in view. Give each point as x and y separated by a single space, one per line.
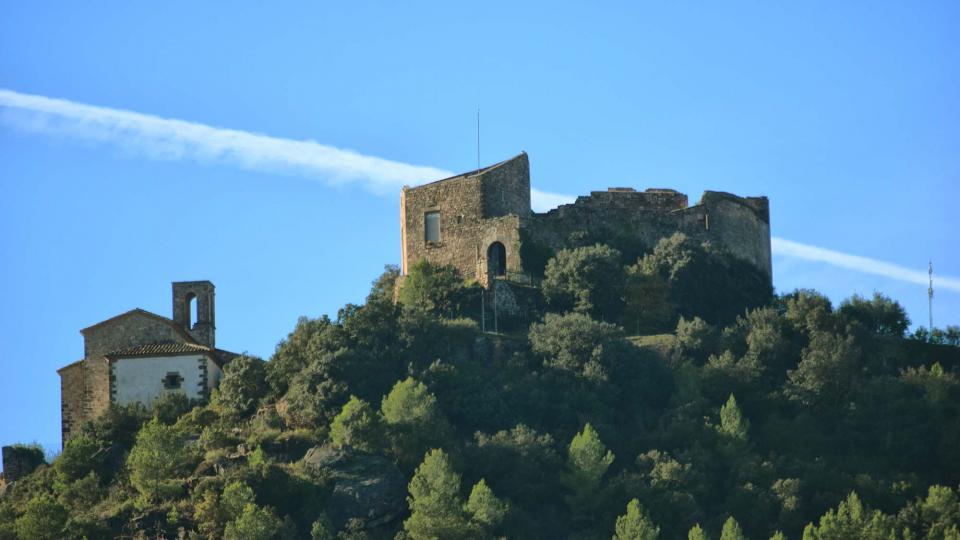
192 314
497 259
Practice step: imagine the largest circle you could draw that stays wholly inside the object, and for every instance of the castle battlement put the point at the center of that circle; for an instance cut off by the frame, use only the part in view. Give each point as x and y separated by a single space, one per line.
482 224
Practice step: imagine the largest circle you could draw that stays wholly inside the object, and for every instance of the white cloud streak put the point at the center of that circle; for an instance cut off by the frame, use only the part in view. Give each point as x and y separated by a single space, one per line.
787 248
171 139
542 201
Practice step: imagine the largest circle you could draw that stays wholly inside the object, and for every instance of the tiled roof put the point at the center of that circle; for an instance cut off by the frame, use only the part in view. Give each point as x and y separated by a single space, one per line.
163 348
172 348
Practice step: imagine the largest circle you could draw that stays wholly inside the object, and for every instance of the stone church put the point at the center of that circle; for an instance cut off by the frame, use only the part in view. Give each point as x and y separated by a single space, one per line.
139 356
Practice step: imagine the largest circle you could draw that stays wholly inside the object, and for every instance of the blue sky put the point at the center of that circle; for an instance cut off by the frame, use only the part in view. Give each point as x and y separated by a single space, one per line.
845 114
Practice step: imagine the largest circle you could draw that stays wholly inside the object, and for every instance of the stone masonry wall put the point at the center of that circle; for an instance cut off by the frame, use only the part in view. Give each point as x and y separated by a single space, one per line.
479 208
72 398
506 188
125 331
740 225
203 330
475 211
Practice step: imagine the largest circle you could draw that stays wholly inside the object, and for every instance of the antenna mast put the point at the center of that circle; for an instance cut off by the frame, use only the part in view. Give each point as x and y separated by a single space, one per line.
930 295
478 140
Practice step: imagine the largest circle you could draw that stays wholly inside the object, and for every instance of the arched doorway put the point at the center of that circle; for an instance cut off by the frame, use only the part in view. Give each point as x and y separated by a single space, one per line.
497 259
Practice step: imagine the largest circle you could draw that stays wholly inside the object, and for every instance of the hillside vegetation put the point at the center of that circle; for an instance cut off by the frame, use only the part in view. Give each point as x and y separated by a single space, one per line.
672 396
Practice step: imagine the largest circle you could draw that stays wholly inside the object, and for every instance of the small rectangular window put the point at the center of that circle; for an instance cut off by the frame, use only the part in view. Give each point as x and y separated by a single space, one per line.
172 380
431 226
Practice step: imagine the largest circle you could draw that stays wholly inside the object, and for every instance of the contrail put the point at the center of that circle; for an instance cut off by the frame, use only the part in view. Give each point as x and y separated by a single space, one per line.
787 248
171 139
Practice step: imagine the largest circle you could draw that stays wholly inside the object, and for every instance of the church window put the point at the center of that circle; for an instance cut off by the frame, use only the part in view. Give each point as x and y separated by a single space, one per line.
431 226
172 381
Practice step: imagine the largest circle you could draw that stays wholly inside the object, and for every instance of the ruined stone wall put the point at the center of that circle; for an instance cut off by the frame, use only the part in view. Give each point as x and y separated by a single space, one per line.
741 225
126 331
493 205
19 461
72 398
738 224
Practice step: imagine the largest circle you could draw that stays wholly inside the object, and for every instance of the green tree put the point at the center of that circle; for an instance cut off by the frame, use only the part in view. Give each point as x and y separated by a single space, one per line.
79 458
648 302
436 289
635 524
236 496
731 530
697 533
254 523
436 508
157 461
705 281
778 536
587 461
243 385
732 421
484 507
880 314
940 511
413 418
807 311
577 344
696 338
852 520
587 280
322 528
357 425
310 339
826 371
43 519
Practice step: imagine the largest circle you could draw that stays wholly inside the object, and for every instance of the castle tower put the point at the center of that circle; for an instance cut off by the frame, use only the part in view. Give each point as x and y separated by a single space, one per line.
195 297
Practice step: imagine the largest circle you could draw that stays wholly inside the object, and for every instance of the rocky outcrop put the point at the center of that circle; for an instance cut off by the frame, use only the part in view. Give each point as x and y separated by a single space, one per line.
366 487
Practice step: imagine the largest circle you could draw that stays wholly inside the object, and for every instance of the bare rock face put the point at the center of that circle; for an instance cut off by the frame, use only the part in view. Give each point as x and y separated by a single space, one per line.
366 487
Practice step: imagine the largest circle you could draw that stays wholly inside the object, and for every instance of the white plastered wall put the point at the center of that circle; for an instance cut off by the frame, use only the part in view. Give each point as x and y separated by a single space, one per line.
141 379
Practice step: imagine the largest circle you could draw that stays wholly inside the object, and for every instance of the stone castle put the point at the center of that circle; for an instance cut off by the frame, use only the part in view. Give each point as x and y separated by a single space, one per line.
481 222
139 356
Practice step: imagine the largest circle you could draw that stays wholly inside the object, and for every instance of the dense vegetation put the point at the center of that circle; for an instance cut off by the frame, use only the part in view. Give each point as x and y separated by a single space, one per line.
670 396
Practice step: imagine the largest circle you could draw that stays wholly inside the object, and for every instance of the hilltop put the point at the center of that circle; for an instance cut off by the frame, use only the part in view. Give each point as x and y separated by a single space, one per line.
662 396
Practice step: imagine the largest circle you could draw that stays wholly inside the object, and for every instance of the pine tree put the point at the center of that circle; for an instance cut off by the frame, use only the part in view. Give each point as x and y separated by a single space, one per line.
436 508
587 461
357 425
635 524
697 533
731 529
486 509
44 519
157 459
732 421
